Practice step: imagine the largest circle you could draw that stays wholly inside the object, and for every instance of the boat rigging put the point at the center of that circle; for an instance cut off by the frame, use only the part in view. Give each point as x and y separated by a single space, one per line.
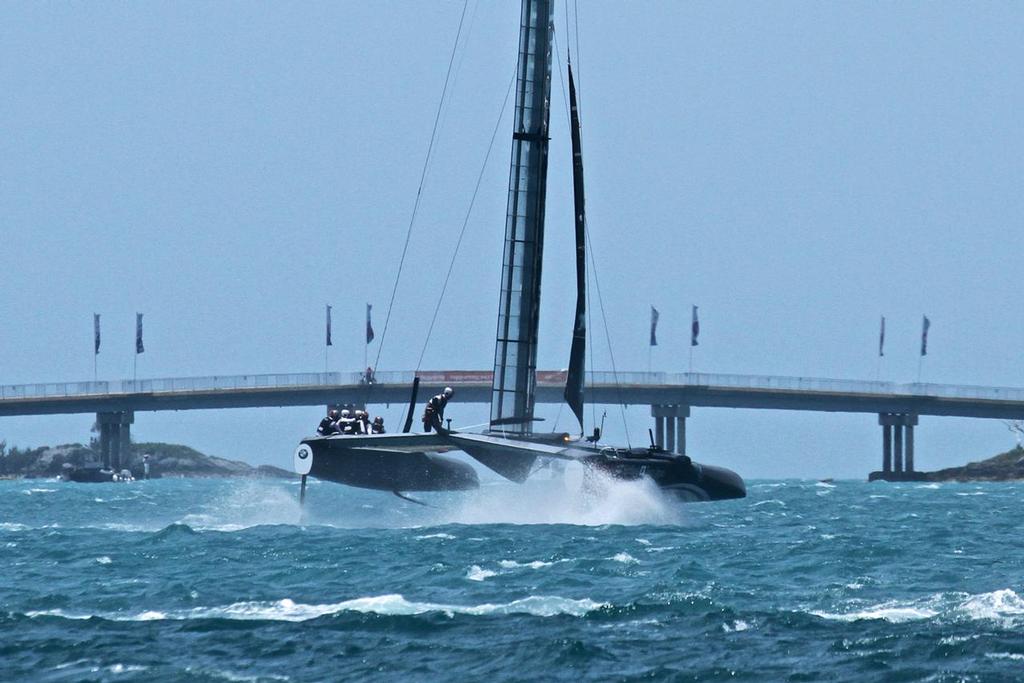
407 462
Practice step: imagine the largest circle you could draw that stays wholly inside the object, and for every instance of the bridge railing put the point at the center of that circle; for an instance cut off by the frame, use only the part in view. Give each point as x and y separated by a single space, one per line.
276 381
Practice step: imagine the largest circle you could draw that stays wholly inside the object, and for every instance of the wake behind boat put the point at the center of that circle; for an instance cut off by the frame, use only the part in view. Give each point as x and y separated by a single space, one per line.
422 462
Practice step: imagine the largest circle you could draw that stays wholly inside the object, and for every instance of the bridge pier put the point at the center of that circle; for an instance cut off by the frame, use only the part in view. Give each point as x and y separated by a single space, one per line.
670 427
115 438
897 448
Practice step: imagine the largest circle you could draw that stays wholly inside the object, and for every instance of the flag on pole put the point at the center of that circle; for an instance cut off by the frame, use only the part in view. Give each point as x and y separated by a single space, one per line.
654 326
329 325
925 324
369 324
694 328
139 348
881 338
95 333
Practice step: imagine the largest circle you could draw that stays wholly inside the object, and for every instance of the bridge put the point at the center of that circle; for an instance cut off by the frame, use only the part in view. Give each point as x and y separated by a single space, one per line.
670 395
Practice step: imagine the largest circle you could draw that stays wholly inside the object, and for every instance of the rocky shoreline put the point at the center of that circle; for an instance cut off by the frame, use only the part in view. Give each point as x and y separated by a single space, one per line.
165 460
1008 466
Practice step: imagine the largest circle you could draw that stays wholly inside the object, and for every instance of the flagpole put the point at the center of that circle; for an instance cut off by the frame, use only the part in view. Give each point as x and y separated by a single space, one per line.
920 362
691 359
649 351
135 367
95 372
325 359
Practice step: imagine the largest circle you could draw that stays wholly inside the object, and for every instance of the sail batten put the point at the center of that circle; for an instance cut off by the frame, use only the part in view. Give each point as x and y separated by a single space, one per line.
578 353
515 356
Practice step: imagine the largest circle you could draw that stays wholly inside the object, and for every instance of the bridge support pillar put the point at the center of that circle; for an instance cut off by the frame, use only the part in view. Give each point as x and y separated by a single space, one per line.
897 447
670 427
909 443
681 435
115 438
886 447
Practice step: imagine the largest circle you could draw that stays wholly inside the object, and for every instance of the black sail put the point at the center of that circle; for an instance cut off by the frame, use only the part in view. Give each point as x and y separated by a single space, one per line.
577 355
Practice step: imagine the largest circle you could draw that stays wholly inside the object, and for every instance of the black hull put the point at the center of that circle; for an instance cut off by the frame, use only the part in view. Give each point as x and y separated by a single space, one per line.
399 464
386 470
88 475
678 476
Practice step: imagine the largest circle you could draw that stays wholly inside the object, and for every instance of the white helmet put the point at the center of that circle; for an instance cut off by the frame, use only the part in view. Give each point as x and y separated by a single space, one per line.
448 391
345 413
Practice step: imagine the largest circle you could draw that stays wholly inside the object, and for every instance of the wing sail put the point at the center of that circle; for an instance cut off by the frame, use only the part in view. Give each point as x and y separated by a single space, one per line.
577 354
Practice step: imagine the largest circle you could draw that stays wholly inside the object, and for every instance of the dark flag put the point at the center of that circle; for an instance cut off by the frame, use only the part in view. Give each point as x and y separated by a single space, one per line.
329 325
139 348
925 324
654 326
694 328
369 324
881 338
95 333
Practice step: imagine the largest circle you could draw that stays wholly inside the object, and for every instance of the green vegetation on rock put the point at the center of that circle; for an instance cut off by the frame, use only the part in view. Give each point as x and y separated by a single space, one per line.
1006 466
165 460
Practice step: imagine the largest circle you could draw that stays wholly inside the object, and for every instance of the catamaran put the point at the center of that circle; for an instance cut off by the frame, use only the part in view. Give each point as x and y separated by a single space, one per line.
409 462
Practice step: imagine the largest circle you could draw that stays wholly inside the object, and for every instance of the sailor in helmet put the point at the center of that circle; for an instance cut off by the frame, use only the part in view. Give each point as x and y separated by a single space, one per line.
378 425
361 423
346 423
433 414
328 425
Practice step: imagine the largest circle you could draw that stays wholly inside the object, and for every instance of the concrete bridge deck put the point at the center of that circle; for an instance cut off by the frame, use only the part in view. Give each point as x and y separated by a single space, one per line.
473 386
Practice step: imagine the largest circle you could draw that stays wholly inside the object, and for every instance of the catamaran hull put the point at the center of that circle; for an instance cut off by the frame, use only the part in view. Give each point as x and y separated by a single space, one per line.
414 463
680 477
386 470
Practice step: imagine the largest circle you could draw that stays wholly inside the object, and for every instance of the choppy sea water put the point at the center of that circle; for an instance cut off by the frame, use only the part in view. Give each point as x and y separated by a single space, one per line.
230 580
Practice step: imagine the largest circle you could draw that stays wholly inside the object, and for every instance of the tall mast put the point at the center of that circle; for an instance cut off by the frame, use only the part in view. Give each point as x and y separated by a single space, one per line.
515 355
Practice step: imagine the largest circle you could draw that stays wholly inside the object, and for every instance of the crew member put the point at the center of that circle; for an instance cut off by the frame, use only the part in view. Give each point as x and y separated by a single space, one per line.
346 424
361 422
378 425
328 425
433 414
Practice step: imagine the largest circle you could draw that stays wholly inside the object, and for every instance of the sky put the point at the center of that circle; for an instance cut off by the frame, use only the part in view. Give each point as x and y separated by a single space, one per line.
796 169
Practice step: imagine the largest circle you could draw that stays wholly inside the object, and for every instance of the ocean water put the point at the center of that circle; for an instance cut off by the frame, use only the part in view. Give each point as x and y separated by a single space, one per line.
229 580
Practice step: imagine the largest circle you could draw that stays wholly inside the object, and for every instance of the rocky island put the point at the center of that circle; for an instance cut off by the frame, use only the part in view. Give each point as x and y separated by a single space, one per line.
165 460
1008 466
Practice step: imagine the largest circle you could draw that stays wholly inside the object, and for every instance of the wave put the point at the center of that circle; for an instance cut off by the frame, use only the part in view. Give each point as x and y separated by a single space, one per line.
1004 606
384 605
536 564
173 531
477 573
29 492
553 502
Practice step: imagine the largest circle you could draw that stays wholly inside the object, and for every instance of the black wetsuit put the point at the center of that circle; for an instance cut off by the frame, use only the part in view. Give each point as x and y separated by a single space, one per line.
327 427
433 415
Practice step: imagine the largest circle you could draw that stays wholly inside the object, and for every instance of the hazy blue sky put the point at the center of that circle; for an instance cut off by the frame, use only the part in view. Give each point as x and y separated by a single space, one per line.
796 169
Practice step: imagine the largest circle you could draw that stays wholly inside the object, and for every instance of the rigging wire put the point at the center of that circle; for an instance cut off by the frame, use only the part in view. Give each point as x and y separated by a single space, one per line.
465 223
608 339
453 86
419 191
